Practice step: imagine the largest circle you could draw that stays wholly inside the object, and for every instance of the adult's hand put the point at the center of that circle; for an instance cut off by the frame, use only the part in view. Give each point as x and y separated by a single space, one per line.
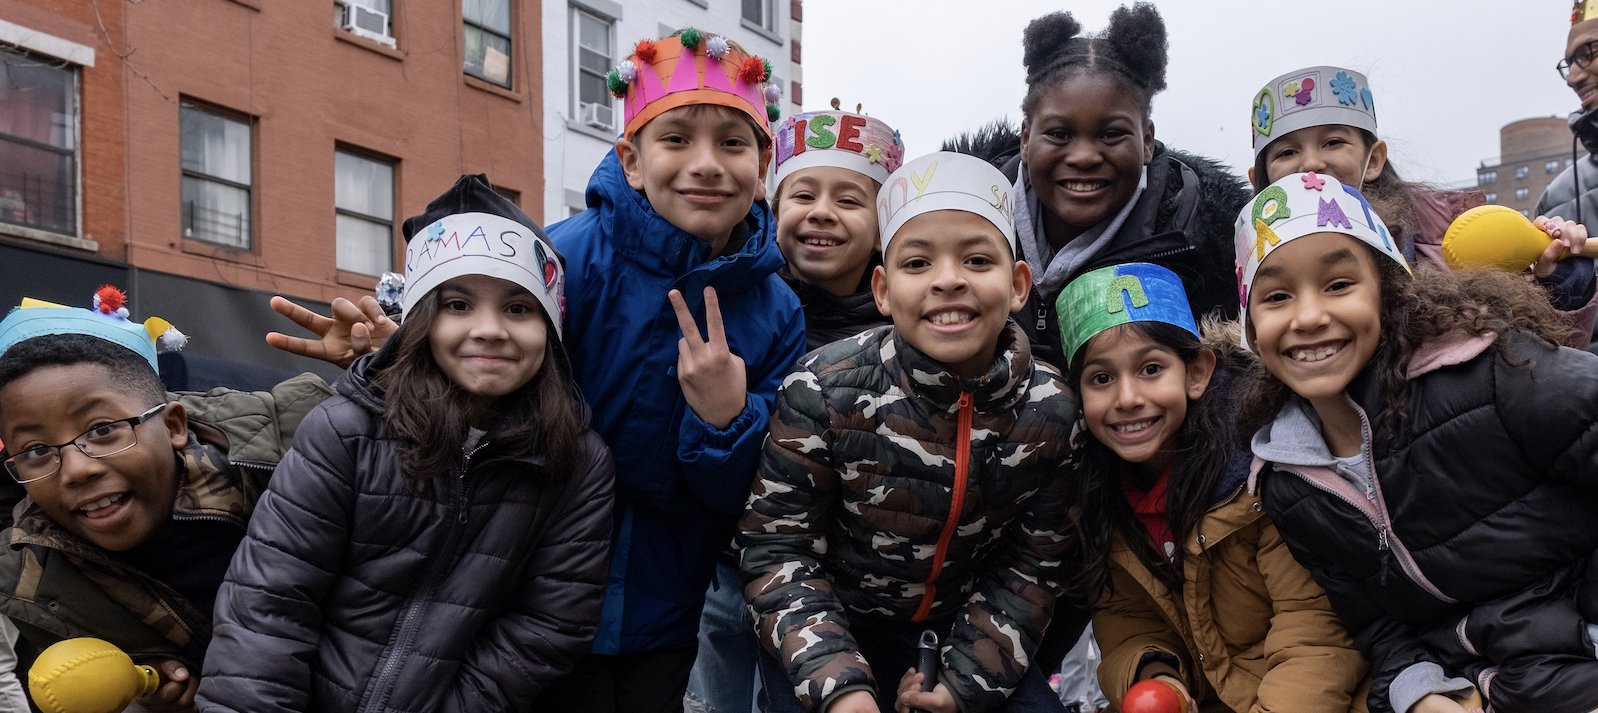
176 694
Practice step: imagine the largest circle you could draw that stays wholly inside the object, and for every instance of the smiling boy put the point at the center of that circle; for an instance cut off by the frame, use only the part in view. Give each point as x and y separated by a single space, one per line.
911 478
136 498
676 226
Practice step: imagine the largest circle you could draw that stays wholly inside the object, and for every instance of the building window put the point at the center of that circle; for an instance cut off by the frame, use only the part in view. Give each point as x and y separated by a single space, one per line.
1486 177
1521 171
1521 193
761 13
1492 198
372 19
38 144
216 177
1569 161
592 54
488 39
1551 166
363 191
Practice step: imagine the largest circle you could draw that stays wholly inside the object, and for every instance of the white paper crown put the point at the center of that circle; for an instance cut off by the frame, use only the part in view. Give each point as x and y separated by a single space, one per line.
838 139
484 244
945 181
1316 96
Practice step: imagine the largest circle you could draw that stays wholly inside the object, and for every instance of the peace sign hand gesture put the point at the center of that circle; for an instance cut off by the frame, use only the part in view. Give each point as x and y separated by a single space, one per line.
711 376
351 331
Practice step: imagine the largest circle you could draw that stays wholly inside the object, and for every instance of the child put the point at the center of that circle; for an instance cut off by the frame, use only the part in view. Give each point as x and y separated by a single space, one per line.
436 539
1193 584
136 498
1426 454
1323 119
674 225
1094 188
911 480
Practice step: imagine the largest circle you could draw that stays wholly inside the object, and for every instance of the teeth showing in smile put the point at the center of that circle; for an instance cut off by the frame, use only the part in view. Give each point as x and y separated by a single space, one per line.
1084 186
1133 427
1314 355
822 242
951 318
103 502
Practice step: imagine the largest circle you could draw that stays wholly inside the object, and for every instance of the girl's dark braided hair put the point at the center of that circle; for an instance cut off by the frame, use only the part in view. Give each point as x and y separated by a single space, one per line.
1132 51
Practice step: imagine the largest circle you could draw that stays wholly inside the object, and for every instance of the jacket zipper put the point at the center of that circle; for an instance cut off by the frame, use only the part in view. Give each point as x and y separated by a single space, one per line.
962 467
1390 541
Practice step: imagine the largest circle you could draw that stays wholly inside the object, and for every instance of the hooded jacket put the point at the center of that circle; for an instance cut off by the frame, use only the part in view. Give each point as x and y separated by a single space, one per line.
357 589
680 482
56 585
1573 194
829 318
1485 497
892 489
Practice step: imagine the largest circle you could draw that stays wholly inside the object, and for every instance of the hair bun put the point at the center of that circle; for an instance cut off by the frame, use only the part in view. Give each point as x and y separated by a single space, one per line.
1136 37
1046 36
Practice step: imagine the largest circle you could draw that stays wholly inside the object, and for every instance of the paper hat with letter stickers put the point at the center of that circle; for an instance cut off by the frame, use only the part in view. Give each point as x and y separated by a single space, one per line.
1298 205
1118 294
946 181
693 68
472 230
1317 96
1583 11
108 320
838 139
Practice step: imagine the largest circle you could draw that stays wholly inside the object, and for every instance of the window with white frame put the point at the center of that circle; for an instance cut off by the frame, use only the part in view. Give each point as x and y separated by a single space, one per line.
38 143
488 35
593 53
761 12
1522 193
1551 166
1521 171
1486 177
372 19
217 176
363 190
1492 198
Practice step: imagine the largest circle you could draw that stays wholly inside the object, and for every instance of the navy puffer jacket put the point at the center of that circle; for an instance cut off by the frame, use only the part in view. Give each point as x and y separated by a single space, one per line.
358 590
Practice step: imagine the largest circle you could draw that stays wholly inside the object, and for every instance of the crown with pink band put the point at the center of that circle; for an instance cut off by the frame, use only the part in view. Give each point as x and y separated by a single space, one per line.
693 68
838 139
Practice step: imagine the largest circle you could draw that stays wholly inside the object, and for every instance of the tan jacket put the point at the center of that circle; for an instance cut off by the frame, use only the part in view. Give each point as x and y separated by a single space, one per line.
1248 615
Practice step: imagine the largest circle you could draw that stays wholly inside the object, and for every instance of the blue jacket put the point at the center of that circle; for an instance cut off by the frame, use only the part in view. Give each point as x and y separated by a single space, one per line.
680 483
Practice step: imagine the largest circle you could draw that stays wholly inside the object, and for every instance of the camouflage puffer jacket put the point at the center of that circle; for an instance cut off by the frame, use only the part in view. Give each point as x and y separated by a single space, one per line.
892 489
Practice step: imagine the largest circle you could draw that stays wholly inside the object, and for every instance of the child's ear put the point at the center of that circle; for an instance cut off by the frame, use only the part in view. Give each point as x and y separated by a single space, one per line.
1021 282
1376 162
176 420
1148 142
631 166
1199 373
1251 176
879 291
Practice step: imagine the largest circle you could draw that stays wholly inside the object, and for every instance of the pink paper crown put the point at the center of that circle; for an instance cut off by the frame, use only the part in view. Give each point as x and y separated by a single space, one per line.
693 69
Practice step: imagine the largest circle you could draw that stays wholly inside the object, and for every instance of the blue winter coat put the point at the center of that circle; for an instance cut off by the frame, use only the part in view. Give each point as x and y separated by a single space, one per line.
680 482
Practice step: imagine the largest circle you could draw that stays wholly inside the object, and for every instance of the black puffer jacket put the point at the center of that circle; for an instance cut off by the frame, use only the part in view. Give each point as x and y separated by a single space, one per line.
1466 547
356 590
829 317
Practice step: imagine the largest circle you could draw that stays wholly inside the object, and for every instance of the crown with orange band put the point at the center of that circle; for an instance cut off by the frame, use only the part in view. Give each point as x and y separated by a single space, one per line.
693 68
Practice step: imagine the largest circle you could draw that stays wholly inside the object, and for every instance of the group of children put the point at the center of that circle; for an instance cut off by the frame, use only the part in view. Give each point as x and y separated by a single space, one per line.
952 401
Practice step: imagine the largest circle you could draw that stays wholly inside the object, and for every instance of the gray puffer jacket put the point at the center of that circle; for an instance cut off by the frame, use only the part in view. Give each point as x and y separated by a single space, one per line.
1577 181
358 590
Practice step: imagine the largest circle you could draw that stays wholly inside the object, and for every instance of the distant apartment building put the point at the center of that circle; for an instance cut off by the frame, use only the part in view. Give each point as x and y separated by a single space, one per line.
584 39
1531 153
206 154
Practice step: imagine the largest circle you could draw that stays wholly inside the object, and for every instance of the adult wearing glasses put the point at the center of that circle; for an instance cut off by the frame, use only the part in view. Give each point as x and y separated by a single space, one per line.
1574 193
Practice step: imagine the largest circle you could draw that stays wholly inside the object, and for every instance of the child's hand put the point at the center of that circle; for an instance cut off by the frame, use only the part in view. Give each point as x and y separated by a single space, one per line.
1569 237
349 333
910 697
854 702
176 695
1192 705
1436 703
712 377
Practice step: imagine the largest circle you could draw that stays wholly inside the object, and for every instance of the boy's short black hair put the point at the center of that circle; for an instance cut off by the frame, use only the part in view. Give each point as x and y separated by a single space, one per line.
130 373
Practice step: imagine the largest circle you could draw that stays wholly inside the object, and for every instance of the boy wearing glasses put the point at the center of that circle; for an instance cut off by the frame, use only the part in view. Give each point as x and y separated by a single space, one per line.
136 498
1574 193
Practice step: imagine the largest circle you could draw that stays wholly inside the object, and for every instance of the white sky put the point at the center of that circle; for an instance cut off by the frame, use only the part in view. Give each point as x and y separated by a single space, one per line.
1446 75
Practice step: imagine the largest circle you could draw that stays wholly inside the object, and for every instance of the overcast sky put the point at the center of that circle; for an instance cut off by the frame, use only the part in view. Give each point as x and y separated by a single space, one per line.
1446 75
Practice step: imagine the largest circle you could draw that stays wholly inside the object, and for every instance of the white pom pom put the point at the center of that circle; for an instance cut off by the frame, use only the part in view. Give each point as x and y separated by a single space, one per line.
97 303
773 94
628 71
122 312
172 340
717 46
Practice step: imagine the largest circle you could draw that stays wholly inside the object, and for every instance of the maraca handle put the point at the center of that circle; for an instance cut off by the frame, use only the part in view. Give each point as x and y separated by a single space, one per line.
149 680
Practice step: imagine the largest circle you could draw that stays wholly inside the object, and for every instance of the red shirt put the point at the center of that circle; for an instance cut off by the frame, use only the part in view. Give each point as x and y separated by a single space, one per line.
1149 507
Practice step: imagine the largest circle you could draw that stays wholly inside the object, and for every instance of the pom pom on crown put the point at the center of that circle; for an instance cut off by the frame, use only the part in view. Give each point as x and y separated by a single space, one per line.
616 85
110 300
717 46
752 70
689 37
773 112
645 51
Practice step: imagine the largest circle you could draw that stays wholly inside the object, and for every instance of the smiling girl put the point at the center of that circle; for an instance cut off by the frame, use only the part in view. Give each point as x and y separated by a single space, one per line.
1427 452
437 539
1192 583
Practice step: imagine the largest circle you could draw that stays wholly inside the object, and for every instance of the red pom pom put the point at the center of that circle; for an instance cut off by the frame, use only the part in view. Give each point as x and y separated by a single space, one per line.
110 298
645 51
752 70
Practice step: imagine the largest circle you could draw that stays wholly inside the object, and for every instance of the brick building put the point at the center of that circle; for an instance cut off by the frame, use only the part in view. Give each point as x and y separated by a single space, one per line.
1531 153
275 152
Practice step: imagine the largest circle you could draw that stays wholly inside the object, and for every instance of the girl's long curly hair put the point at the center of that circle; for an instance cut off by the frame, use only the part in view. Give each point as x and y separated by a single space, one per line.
1417 310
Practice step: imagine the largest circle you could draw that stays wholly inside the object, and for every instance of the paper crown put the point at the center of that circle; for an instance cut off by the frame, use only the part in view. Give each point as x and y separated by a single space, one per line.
1317 96
839 139
1298 205
693 68
108 320
1583 10
945 181
1112 296
471 230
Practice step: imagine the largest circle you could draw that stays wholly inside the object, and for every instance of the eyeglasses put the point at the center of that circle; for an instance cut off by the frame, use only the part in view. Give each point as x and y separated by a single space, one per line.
1582 57
107 439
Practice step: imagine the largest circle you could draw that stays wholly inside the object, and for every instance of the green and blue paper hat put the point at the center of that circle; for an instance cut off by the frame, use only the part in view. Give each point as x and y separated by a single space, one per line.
1119 294
108 320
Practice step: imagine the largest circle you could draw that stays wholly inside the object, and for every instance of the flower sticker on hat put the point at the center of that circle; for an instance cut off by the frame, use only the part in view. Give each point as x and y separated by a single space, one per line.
1345 87
1263 110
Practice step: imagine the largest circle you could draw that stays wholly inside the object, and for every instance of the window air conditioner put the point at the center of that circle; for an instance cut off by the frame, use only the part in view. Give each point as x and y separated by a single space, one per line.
599 116
366 22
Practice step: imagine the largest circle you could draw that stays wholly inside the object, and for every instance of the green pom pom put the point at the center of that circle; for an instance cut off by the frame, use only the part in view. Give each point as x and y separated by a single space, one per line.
766 62
689 37
613 82
773 113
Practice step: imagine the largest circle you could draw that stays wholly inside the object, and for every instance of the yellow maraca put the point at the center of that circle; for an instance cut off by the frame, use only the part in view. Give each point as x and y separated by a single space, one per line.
87 675
1493 236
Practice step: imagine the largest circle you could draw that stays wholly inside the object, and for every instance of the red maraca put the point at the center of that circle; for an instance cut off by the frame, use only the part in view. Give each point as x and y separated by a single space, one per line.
1154 696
